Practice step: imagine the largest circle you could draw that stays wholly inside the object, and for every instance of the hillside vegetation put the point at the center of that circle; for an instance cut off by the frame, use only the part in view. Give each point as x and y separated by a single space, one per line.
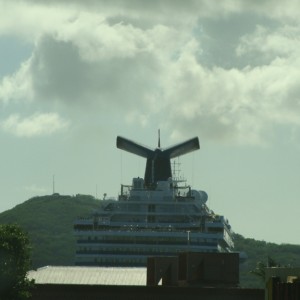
261 251
49 222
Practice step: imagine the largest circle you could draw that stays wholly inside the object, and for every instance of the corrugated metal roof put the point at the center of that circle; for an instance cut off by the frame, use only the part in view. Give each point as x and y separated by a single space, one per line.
89 275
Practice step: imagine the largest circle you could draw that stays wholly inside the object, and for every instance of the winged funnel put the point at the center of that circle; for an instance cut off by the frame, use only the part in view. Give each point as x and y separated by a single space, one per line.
158 165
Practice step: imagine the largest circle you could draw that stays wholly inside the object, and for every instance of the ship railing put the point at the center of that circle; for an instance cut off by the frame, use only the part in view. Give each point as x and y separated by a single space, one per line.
133 249
126 189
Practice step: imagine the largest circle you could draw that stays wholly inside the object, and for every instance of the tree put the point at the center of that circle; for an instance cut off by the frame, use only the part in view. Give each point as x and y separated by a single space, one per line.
14 263
260 269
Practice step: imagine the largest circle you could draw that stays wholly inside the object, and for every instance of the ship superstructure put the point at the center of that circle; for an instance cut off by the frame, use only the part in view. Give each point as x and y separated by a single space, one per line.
157 215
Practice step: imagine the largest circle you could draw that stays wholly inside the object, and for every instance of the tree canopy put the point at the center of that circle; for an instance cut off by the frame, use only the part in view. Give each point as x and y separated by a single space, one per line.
14 263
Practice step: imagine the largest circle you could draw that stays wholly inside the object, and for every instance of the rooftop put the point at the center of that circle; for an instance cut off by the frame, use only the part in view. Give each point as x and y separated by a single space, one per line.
89 275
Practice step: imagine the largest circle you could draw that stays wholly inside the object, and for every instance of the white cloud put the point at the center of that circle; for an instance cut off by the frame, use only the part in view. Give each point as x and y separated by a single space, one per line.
30 21
283 41
106 57
54 15
236 105
39 124
17 87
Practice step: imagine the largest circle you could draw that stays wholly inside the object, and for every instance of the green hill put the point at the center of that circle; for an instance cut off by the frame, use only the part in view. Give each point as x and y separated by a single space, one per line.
283 254
49 222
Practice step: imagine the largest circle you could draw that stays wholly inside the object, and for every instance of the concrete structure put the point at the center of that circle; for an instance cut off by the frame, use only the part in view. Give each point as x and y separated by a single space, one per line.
282 283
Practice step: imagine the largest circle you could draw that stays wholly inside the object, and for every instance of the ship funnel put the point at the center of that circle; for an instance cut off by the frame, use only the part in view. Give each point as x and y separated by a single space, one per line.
158 165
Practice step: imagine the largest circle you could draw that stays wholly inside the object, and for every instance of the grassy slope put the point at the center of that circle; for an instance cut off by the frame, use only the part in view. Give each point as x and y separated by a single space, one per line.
49 222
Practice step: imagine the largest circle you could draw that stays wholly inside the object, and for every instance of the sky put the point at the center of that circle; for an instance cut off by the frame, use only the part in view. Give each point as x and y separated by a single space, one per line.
76 74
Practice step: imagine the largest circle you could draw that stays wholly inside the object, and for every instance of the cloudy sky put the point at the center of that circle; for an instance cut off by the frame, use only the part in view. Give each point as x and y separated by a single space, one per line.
76 74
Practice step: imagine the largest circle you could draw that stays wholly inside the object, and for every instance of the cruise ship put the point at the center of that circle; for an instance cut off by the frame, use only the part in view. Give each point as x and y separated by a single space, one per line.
158 215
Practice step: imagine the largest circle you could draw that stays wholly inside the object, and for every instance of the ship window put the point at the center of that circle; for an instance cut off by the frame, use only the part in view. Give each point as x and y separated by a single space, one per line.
151 208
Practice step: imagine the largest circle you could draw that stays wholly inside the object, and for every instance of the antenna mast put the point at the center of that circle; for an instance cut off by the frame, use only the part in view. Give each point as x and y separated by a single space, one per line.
158 138
53 184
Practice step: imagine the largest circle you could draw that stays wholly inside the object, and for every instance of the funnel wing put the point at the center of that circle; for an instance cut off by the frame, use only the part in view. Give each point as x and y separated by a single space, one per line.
183 148
133 147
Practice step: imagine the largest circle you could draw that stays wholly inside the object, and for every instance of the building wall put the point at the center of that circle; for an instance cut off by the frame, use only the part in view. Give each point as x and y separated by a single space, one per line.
83 292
